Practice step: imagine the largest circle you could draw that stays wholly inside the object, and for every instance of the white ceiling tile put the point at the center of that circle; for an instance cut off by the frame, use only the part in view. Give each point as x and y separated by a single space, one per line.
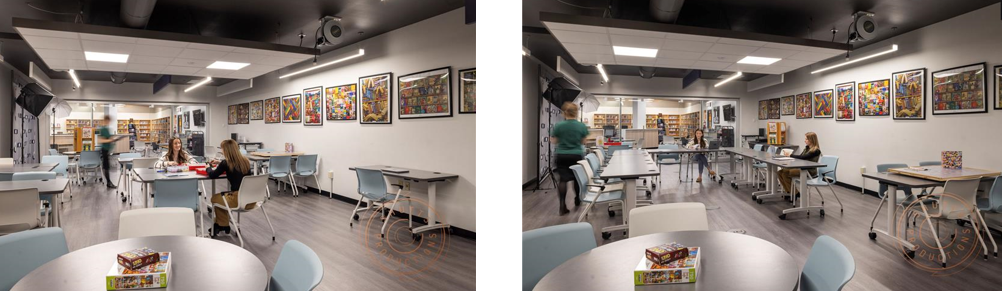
157 42
180 70
47 54
156 51
145 68
42 42
743 42
636 41
201 54
634 61
107 47
580 37
732 49
149 60
635 32
809 56
588 48
66 64
691 37
668 54
105 66
48 33
279 61
674 63
260 68
773 53
211 47
190 63
214 73
244 75
585 58
241 58
685 45
773 69
107 38
744 68
721 58
708 65
575 27
791 63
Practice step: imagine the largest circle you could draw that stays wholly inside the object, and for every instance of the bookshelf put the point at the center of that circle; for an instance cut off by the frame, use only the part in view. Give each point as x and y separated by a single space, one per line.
160 130
73 124
688 123
600 120
144 129
777 133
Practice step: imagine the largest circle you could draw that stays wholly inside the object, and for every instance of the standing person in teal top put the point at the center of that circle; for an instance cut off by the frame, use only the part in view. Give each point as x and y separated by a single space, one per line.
107 144
569 137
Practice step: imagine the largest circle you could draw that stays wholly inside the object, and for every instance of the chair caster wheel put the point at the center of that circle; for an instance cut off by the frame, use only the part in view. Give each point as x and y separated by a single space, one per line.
911 254
753 198
782 216
380 235
350 224
944 265
961 222
648 194
986 257
272 238
612 213
415 237
355 217
872 235
123 199
759 201
606 235
822 213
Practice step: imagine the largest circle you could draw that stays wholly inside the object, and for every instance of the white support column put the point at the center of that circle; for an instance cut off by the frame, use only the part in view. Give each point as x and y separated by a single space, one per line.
639 114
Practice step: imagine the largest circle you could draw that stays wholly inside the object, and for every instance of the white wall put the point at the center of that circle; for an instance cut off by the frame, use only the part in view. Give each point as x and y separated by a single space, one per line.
966 39
439 144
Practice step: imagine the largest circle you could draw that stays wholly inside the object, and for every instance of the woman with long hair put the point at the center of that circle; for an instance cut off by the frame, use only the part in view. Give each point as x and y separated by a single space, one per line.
811 152
235 166
176 155
698 142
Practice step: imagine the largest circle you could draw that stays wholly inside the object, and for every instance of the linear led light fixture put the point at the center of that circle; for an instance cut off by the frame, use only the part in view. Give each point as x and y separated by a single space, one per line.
634 51
199 84
894 48
227 65
731 78
601 70
758 60
360 53
73 75
106 57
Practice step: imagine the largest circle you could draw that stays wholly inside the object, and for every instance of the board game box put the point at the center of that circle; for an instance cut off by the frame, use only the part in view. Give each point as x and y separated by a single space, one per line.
138 258
666 253
154 275
680 271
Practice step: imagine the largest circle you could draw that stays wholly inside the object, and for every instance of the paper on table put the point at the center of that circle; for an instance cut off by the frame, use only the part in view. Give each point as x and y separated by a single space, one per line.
783 158
787 152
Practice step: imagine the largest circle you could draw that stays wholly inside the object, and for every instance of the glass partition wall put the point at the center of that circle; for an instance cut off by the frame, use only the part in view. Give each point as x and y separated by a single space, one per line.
680 117
147 126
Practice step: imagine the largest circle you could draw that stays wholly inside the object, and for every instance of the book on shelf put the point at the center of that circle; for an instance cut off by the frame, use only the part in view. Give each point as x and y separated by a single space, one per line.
680 271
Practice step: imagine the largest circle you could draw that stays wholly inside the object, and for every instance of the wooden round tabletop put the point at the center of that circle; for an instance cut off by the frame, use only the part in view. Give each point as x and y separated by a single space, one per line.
728 261
196 264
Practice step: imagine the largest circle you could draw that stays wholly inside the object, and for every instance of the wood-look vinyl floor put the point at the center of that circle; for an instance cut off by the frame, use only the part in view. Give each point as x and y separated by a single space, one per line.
879 264
91 217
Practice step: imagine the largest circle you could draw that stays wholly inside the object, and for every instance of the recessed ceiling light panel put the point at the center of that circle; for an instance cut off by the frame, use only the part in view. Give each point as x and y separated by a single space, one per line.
227 65
106 57
758 60
634 51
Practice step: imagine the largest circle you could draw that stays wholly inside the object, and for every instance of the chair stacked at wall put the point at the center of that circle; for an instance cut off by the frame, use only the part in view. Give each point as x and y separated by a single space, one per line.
19 210
90 161
546 248
281 167
826 178
592 194
668 217
62 165
178 193
958 201
30 249
306 166
829 266
47 200
372 187
156 222
298 268
252 192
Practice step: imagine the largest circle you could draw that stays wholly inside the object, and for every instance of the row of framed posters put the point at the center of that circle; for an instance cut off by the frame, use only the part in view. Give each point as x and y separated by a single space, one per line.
958 90
425 94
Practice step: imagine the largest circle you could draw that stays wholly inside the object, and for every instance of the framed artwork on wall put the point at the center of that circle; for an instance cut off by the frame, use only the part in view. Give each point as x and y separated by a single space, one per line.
873 98
774 108
908 94
257 110
374 99
803 103
273 110
231 115
292 108
243 113
425 94
763 109
998 96
823 104
960 90
787 105
341 102
313 107
845 101
468 91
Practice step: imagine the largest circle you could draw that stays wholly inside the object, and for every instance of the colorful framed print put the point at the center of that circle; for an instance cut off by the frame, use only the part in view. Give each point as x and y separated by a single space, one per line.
845 101
292 108
313 107
803 103
341 102
273 110
998 89
908 95
231 115
425 94
257 110
787 105
763 109
468 91
960 90
873 98
243 112
823 104
773 108
374 96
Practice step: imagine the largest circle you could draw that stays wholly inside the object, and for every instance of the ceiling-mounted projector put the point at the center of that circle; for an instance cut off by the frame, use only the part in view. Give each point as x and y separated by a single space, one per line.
863 27
333 30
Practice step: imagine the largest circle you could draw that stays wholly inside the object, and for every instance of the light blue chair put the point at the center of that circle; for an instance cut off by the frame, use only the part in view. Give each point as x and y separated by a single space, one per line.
829 266
23 252
53 152
760 167
124 168
825 178
298 268
930 163
306 165
265 150
243 152
33 176
6 176
62 167
178 193
90 161
372 186
883 168
615 148
992 203
668 159
592 194
281 167
546 248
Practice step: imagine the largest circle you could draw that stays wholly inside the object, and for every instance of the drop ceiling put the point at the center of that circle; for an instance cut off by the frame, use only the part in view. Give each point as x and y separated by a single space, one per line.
61 45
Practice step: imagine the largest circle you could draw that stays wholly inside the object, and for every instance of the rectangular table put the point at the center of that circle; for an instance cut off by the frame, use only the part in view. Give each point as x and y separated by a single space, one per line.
772 165
938 173
257 158
148 176
893 182
45 187
415 175
682 151
31 167
629 165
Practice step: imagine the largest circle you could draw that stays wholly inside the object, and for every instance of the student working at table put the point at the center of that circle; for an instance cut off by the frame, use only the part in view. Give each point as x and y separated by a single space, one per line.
176 155
699 142
812 152
235 166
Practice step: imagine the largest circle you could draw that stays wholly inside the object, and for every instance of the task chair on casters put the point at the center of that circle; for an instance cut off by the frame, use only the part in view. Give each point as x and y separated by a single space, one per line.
298 268
962 205
281 167
47 199
90 161
829 266
62 167
592 194
825 178
372 187
30 249
544 249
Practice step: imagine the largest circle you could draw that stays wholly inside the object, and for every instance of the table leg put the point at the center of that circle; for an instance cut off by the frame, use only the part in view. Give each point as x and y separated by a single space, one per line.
891 198
432 218
770 183
805 203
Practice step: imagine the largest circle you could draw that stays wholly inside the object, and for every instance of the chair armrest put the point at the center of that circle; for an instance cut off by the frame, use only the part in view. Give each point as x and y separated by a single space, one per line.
600 187
398 186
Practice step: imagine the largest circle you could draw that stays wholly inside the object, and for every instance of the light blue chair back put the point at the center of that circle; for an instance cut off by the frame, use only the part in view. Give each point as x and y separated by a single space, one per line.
6 176
198 159
306 165
129 156
298 268
89 159
546 248
758 147
593 162
930 163
243 151
668 156
994 201
772 150
265 150
23 252
829 266
176 193
581 178
30 176
279 166
61 160
882 168
371 183
828 171
53 152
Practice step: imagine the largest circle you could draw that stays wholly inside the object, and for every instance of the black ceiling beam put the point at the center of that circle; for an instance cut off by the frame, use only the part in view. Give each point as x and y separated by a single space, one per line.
536 30
10 35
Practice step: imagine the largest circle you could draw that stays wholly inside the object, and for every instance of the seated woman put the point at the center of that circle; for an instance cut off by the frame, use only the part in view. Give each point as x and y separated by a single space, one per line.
176 155
699 143
235 166
811 152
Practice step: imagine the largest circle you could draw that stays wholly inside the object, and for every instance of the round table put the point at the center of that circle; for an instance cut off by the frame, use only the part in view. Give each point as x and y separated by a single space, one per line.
728 261
196 264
